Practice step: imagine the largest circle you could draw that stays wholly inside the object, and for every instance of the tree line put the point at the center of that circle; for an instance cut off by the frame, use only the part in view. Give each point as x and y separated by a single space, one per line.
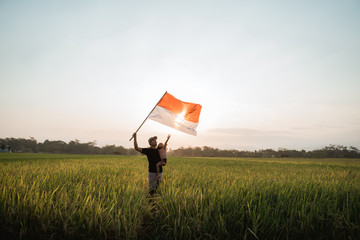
73 147
331 151
76 147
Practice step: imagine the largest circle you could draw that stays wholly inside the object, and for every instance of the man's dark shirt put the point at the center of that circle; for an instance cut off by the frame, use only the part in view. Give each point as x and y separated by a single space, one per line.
153 157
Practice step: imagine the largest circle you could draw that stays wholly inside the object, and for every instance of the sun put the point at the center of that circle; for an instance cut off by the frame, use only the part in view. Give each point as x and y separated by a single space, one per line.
180 118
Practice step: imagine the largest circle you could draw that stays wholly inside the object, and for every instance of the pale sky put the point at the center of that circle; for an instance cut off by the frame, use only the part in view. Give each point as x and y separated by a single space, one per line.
268 74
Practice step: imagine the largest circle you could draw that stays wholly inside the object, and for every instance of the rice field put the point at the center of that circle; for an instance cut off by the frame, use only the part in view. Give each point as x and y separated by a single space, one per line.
106 197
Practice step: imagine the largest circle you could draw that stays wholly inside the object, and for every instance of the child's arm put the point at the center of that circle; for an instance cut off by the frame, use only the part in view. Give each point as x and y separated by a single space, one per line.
165 145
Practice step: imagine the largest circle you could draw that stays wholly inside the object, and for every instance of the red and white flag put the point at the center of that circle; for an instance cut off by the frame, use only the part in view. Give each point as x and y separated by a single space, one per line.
183 116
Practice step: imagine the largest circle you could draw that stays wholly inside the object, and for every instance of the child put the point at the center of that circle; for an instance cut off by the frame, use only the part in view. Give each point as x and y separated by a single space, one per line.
162 151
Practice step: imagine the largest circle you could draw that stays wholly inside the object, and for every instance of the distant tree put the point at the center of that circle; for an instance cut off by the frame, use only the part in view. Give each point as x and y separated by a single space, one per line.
53 146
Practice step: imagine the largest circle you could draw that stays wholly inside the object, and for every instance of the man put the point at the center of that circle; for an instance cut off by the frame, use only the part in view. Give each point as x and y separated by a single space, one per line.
153 157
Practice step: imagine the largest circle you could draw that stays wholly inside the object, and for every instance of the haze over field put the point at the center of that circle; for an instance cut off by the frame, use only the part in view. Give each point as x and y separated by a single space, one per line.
268 74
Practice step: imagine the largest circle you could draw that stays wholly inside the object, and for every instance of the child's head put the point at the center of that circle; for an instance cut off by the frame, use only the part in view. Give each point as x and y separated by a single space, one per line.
160 146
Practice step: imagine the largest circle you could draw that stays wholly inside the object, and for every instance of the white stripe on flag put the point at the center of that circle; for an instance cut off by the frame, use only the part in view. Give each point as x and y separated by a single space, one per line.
168 118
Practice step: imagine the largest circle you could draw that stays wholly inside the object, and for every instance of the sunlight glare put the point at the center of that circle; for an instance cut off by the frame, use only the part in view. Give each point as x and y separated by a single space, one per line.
180 118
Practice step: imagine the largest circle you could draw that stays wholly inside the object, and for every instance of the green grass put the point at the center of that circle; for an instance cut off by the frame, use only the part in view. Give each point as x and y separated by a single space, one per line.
106 197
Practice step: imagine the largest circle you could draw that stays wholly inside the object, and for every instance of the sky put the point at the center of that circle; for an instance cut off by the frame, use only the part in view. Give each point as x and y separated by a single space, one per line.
268 74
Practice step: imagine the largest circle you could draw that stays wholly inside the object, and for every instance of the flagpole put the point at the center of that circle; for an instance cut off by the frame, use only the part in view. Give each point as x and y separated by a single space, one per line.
148 115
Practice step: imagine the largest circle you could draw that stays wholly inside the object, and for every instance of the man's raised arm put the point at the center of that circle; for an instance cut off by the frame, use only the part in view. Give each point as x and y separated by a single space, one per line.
136 144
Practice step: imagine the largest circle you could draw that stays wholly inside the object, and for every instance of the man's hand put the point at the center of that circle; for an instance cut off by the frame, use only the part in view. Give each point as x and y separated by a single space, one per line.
168 136
135 143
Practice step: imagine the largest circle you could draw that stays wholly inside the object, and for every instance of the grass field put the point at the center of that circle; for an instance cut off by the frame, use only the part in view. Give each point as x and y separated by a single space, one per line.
105 197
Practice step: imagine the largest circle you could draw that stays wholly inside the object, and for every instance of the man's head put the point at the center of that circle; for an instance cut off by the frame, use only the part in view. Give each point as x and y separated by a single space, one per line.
160 146
152 141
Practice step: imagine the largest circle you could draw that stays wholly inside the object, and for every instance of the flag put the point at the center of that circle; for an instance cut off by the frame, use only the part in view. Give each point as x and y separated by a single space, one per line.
183 116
